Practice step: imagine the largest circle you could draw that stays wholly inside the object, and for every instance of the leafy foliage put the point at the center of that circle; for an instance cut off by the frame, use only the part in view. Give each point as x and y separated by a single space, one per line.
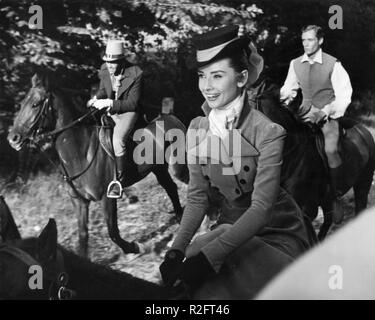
157 35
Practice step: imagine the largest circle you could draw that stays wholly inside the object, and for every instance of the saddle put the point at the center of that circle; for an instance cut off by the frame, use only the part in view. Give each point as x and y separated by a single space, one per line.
153 130
352 136
106 133
345 124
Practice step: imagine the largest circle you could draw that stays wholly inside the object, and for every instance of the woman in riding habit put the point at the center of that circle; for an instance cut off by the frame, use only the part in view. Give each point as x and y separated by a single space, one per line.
260 229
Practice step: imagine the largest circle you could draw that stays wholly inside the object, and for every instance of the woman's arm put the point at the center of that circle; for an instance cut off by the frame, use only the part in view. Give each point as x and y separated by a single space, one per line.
264 195
197 197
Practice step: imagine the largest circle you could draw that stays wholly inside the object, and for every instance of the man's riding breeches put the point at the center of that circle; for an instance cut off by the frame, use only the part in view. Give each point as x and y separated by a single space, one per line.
331 136
124 124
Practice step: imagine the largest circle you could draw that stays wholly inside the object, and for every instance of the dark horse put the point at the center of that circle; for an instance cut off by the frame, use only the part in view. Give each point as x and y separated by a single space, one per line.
65 275
87 167
305 173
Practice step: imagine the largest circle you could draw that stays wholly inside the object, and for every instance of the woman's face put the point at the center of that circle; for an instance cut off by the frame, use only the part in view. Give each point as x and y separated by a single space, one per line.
220 83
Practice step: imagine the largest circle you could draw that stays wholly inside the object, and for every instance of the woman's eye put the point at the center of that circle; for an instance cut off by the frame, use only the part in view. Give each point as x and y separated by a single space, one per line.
217 76
200 76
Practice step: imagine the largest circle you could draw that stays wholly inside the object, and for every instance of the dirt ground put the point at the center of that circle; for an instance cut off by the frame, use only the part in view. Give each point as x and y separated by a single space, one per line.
45 196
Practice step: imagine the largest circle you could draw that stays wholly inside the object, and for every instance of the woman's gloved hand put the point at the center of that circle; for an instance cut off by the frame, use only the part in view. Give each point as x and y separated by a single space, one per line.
195 271
171 266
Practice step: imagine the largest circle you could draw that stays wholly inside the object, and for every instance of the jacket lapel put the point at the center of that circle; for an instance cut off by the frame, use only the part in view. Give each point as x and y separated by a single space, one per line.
233 147
108 84
126 82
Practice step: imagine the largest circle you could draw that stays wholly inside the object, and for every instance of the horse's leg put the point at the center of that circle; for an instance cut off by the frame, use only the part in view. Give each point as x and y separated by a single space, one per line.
362 188
83 219
166 181
110 214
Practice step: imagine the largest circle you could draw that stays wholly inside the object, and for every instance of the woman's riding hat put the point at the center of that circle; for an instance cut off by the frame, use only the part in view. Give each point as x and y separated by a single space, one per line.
221 43
114 51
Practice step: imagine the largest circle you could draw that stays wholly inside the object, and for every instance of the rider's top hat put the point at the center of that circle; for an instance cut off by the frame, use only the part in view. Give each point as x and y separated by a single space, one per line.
114 51
221 43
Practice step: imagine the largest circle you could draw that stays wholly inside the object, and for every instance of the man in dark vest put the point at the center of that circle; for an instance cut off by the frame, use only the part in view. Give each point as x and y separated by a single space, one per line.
326 92
119 93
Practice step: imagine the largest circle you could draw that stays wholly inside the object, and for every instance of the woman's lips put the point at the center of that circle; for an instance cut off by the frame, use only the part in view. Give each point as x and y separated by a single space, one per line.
212 97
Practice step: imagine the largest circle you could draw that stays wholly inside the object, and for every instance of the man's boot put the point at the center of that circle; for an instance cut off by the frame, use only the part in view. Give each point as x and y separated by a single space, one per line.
336 186
115 187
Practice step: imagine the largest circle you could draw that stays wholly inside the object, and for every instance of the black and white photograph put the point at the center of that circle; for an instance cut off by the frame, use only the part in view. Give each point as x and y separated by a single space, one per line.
187 154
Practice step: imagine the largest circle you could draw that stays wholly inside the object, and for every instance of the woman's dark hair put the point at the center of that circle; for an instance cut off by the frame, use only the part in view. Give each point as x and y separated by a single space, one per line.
239 61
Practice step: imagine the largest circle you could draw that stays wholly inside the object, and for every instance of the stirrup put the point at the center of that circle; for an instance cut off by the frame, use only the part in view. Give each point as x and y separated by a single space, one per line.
114 184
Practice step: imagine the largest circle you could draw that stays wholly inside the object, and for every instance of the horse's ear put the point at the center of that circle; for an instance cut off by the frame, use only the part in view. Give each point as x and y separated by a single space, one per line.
36 80
47 242
40 80
8 228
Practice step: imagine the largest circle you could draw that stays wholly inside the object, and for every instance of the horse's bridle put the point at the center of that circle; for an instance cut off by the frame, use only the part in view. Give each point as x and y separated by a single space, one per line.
59 279
37 135
36 127
46 110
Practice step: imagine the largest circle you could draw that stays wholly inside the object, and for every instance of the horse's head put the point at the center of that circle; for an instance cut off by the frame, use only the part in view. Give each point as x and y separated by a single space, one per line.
294 106
266 98
8 228
36 113
32 268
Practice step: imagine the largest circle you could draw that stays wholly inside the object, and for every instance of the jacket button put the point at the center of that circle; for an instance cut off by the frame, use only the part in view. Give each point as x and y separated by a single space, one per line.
243 181
238 191
246 168
207 177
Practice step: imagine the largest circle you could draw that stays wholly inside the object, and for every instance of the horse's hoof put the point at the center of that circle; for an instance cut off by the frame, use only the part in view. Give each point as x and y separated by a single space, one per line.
114 258
133 199
145 248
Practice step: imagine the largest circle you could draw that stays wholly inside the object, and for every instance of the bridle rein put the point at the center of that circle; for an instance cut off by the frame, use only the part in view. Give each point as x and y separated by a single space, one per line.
37 135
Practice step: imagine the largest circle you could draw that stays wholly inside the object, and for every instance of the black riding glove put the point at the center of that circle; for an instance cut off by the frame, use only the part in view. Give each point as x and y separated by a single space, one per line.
171 266
195 271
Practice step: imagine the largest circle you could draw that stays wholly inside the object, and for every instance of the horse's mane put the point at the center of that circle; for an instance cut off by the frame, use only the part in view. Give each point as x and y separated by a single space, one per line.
73 99
300 138
103 281
267 93
99 281
75 103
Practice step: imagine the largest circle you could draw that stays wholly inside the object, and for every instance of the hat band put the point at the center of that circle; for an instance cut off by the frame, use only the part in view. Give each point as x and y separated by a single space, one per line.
208 54
113 56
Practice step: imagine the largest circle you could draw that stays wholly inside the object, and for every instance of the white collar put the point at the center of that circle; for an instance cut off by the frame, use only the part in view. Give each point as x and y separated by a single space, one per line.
317 58
221 119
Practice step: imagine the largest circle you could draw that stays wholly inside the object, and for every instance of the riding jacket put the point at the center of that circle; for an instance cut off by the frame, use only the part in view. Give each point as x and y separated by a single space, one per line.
250 199
127 90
